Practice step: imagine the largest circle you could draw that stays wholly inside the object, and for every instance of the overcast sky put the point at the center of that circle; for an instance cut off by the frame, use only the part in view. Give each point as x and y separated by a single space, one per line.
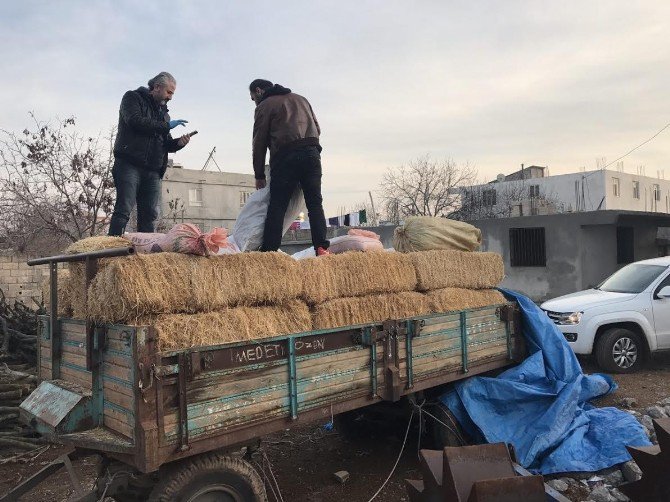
495 84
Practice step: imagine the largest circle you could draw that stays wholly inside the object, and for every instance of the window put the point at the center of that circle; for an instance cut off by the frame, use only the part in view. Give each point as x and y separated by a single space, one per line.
636 189
195 197
534 191
489 198
616 187
625 245
657 192
243 197
527 247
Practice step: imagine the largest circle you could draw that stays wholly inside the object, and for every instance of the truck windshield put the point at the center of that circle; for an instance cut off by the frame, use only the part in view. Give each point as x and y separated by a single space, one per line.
632 278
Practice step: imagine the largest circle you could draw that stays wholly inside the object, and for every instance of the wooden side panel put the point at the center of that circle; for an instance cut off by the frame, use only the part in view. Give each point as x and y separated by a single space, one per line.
119 400
223 400
73 362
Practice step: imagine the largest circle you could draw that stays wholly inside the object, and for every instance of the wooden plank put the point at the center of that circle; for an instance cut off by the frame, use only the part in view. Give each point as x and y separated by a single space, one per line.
118 398
117 371
118 346
70 358
124 416
126 390
79 377
451 342
76 350
241 381
118 426
45 352
436 362
123 361
235 406
124 334
72 326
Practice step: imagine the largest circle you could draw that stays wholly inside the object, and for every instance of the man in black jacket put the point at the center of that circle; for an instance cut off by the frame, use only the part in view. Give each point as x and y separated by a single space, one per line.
141 149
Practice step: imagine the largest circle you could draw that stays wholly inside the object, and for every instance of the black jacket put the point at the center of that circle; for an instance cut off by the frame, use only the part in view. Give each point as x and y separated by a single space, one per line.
143 136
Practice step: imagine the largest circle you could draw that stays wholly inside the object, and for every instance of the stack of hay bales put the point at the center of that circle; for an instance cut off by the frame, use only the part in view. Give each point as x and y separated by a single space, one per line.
196 300
64 293
458 280
76 285
357 288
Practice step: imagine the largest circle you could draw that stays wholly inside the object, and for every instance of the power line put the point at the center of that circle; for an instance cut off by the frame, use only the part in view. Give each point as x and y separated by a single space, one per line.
632 150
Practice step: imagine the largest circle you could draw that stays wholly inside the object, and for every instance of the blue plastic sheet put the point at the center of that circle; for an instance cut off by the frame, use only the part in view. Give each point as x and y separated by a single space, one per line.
541 406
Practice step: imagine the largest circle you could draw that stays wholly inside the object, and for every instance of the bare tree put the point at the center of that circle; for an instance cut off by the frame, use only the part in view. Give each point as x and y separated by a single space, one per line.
424 187
55 185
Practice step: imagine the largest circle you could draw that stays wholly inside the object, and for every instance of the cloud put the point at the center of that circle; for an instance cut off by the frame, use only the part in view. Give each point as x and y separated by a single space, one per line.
493 84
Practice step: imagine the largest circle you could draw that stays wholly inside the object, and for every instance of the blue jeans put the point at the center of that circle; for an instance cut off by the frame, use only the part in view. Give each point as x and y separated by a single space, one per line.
301 166
135 185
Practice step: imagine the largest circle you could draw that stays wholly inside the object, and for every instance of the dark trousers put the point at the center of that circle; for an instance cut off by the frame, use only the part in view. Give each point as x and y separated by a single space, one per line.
301 166
135 185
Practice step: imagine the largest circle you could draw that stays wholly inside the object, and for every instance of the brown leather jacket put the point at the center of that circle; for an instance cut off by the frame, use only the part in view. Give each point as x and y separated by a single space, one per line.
282 122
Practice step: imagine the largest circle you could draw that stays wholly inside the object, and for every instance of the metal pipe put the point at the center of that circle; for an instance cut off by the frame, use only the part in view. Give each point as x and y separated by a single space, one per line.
103 253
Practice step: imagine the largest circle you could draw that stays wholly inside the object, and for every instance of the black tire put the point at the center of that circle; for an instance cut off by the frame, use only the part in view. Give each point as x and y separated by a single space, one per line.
620 350
210 475
447 433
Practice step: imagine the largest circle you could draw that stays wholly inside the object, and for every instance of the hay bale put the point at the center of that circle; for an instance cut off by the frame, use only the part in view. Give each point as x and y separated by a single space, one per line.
449 299
97 243
367 309
171 283
423 233
64 289
356 274
457 269
177 331
77 283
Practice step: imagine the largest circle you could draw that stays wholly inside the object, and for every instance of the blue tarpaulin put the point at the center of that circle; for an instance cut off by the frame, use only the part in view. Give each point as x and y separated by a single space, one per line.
541 406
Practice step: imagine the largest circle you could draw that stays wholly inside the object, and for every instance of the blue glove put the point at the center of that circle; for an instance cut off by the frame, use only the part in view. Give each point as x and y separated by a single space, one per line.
178 122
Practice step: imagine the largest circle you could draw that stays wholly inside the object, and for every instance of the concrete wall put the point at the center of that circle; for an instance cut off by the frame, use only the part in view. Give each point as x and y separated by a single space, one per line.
646 201
18 281
223 195
581 248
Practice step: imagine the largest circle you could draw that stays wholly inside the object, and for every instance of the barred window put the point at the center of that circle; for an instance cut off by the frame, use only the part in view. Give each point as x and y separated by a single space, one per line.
527 247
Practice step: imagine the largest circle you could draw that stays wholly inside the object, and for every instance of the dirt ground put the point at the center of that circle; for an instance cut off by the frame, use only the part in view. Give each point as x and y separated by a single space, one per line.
304 460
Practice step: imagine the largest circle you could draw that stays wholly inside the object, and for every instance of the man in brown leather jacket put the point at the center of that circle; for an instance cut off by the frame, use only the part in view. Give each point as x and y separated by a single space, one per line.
284 123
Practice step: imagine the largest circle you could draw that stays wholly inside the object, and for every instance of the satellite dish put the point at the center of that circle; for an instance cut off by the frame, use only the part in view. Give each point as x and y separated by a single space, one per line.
500 177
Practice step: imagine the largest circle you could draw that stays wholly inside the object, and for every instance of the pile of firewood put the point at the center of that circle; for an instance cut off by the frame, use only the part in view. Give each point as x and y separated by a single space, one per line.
18 339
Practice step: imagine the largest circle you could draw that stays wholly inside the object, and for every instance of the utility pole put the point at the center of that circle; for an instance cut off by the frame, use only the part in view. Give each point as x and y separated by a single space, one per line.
374 212
211 158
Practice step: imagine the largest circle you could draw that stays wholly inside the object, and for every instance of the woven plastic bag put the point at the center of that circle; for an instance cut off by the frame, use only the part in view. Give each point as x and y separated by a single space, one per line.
182 238
249 226
423 233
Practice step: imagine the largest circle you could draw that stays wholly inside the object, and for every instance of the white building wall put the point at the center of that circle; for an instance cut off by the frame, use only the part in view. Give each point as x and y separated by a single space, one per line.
222 196
593 190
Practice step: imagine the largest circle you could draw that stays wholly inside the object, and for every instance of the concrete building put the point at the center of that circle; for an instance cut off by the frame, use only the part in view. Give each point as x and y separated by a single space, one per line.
551 255
207 199
531 192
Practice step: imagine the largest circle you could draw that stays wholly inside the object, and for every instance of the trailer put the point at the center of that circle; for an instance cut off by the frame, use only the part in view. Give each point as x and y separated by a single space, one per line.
107 389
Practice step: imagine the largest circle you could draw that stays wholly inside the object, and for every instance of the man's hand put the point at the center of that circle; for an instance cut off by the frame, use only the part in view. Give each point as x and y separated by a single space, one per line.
178 122
183 141
260 184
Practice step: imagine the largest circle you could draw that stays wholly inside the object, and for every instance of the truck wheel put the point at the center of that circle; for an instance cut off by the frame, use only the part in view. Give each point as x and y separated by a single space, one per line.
620 350
447 433
210 477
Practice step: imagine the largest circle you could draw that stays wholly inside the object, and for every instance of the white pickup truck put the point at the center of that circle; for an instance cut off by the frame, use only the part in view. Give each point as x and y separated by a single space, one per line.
622 320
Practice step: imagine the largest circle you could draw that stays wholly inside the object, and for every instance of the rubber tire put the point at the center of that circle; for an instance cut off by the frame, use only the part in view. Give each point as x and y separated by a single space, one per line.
439 435
603 350
189 477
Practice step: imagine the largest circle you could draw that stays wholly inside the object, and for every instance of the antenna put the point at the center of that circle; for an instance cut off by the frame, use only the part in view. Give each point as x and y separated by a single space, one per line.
212 159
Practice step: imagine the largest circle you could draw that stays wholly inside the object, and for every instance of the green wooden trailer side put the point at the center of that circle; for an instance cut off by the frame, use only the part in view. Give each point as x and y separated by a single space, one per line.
108 388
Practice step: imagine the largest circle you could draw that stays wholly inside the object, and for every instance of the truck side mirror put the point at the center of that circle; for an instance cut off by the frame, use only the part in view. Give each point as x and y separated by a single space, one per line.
664 292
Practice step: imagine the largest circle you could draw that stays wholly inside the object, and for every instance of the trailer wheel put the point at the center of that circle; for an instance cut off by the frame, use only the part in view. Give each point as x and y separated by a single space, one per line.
210 477
448 432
